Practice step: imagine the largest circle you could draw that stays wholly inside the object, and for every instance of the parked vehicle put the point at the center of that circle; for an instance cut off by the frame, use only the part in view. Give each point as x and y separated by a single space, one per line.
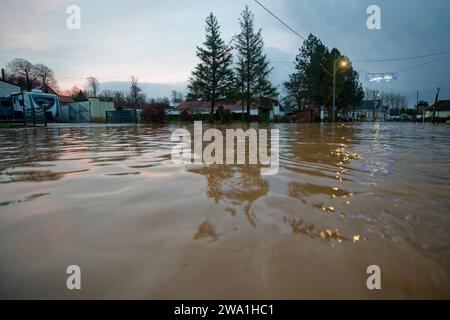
6 110
30 103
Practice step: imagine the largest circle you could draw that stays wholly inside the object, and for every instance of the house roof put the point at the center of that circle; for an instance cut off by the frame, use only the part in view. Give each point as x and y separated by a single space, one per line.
66 99
7 88
206 105
10 83
441 105
45 88
194 105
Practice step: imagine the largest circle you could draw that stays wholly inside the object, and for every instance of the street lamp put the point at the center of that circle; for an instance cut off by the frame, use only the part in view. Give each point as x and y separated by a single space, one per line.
343 63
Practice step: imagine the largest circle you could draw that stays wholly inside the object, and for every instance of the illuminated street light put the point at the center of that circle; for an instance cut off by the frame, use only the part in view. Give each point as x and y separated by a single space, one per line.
343 63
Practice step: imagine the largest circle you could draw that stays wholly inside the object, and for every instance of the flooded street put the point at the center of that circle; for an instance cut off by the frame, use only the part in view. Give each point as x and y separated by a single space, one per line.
110 200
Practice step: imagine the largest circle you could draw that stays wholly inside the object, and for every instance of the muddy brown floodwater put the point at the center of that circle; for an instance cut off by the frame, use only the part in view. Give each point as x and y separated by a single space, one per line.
110 200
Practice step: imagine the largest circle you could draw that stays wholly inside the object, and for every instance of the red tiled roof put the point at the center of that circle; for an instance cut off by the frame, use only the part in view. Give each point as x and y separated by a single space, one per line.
66 99
194 105
126 105
206 106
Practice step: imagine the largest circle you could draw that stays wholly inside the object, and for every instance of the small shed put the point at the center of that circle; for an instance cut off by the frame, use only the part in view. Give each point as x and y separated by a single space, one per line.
92 110
98 109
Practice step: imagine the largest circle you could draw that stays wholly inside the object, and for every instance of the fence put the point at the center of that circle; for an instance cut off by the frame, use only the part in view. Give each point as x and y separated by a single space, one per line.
79 112
122 116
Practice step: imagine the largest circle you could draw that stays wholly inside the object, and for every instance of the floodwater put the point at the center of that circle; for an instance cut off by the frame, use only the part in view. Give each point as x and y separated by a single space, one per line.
110 200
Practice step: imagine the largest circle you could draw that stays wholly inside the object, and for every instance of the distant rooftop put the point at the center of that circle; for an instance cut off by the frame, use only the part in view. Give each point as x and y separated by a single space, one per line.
441 105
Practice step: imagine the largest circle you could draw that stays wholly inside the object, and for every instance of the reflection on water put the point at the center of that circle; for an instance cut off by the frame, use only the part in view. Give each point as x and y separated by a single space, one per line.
109 199
238 187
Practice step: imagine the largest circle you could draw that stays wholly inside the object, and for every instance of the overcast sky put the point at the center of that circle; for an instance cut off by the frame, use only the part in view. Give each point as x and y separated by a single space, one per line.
155 40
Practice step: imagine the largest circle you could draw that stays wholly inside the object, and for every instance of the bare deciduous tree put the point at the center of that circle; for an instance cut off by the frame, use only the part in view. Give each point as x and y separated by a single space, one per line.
94 85
135 91
45 75
176 97
22 72
116 96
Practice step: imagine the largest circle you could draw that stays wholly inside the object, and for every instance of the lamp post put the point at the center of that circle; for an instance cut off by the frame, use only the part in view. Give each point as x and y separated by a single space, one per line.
343 64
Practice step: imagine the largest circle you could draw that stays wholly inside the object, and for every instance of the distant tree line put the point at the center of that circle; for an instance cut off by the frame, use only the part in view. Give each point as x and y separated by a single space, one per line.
135 96
396 102
391 99
28 76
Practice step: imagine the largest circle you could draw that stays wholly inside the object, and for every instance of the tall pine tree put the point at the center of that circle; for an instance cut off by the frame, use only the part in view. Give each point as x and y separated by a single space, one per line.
312 82
252 69
213 78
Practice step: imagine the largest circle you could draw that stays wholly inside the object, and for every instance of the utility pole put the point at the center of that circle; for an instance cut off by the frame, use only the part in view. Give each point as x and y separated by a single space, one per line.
374 97
334 89
434 105
343 64
417 104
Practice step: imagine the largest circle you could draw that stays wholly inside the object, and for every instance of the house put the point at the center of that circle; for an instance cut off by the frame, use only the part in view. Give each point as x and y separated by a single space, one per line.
200 107
262 108
421 110
44 88
368 110
382 114
441 109
7 88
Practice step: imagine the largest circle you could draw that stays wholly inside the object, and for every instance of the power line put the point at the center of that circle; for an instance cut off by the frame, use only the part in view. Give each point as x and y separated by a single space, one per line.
285 24
424 64
406 58
362 61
